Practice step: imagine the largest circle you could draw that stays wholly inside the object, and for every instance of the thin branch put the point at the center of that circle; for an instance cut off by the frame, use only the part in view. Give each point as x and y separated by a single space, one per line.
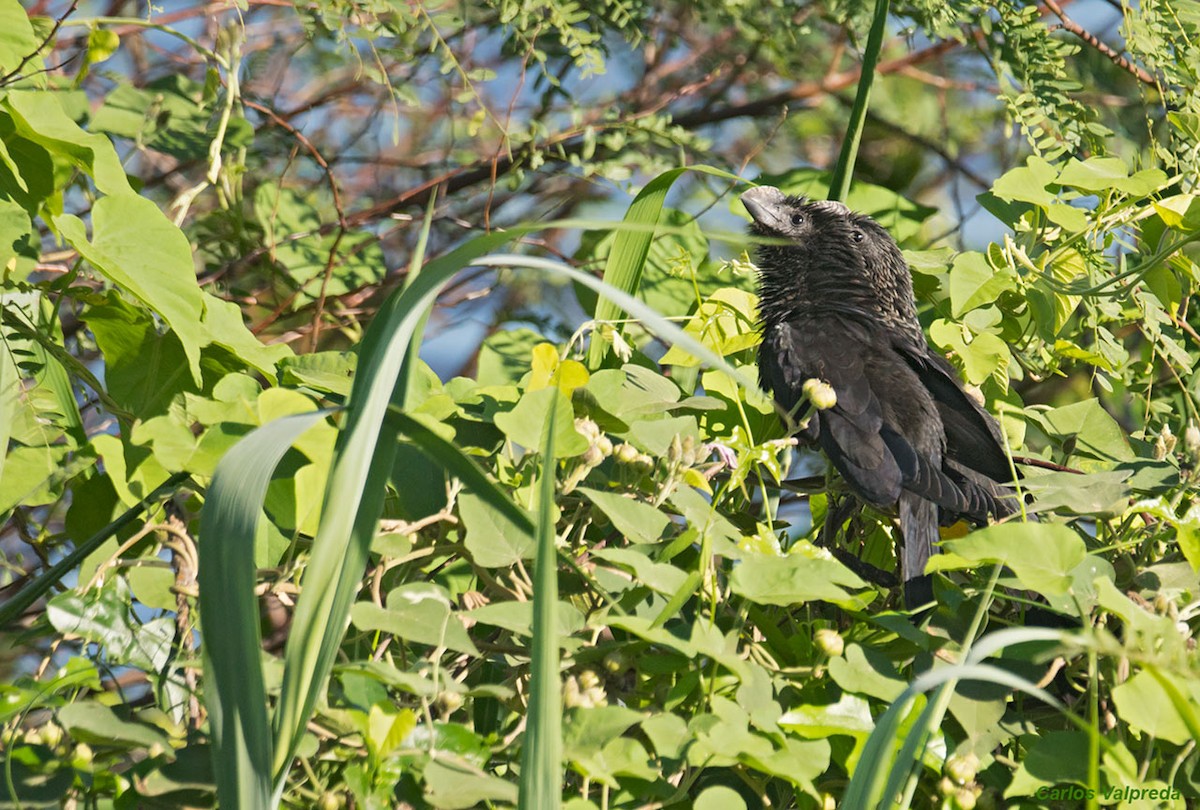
1138 72
49 37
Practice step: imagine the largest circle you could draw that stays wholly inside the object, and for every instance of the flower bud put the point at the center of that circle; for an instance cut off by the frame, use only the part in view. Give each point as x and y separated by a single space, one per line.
829 642
592 456
675 451
1164 444
589 429
820 394
615 662
449 702
688 451
82 757
1191 441
625 453
962 769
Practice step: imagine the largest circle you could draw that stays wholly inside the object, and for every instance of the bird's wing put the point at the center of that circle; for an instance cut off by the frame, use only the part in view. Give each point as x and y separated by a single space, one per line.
972 434
780 371
850 431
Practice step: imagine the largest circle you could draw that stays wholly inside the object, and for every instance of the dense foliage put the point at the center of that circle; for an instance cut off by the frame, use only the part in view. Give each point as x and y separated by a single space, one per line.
255 544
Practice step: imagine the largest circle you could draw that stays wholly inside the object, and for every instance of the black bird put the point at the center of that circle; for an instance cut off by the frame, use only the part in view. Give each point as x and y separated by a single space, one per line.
836 305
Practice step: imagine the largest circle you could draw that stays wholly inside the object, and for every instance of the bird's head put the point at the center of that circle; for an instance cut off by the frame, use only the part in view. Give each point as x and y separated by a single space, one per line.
830 254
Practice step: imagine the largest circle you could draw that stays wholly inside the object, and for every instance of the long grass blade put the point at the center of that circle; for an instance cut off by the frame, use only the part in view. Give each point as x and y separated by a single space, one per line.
354 493
235 695
541 758
623 269
363 457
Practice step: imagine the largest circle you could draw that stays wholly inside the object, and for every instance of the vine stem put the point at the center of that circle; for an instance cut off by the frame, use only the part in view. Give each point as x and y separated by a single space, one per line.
839 185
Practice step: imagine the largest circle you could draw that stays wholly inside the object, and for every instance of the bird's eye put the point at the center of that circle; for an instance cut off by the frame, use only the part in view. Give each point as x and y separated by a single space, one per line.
857 236
797 219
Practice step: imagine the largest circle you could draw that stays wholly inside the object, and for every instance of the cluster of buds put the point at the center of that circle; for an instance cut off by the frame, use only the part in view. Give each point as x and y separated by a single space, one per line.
1165 444
958 781
599 448
633 460
584 691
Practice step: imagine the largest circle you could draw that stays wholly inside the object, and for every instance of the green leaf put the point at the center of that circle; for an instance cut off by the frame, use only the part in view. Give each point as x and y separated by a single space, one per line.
102 615
102 44
1094 432
986 355
1027 183
1068 216
224 326
139 250
144 370
865 671
1144 704
331 372
453 784
40 118
92 723
493 540
236 696
1180 211
17 256
637 521
661 577
541 782
793 579
586 730
517 617
1096 493
1049 571
719 797
1054 758
1105 173
850 715
725 322
523 423
504 357
419 612
973 283
17 40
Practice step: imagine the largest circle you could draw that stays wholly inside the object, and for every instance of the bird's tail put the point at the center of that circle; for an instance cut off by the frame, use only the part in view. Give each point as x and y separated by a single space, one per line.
919 527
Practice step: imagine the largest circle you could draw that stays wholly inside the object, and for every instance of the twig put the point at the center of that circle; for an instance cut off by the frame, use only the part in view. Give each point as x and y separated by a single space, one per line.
50 36
1138 72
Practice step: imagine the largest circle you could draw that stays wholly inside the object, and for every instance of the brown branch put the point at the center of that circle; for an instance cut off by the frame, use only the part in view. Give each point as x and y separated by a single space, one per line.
312 150
1138 72
1029 461
804 91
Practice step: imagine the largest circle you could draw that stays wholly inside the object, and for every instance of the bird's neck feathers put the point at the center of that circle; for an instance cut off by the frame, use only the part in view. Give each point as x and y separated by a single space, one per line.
796 286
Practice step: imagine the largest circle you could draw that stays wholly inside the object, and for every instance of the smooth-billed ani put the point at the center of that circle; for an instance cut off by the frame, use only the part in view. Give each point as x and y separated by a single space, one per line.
836 304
